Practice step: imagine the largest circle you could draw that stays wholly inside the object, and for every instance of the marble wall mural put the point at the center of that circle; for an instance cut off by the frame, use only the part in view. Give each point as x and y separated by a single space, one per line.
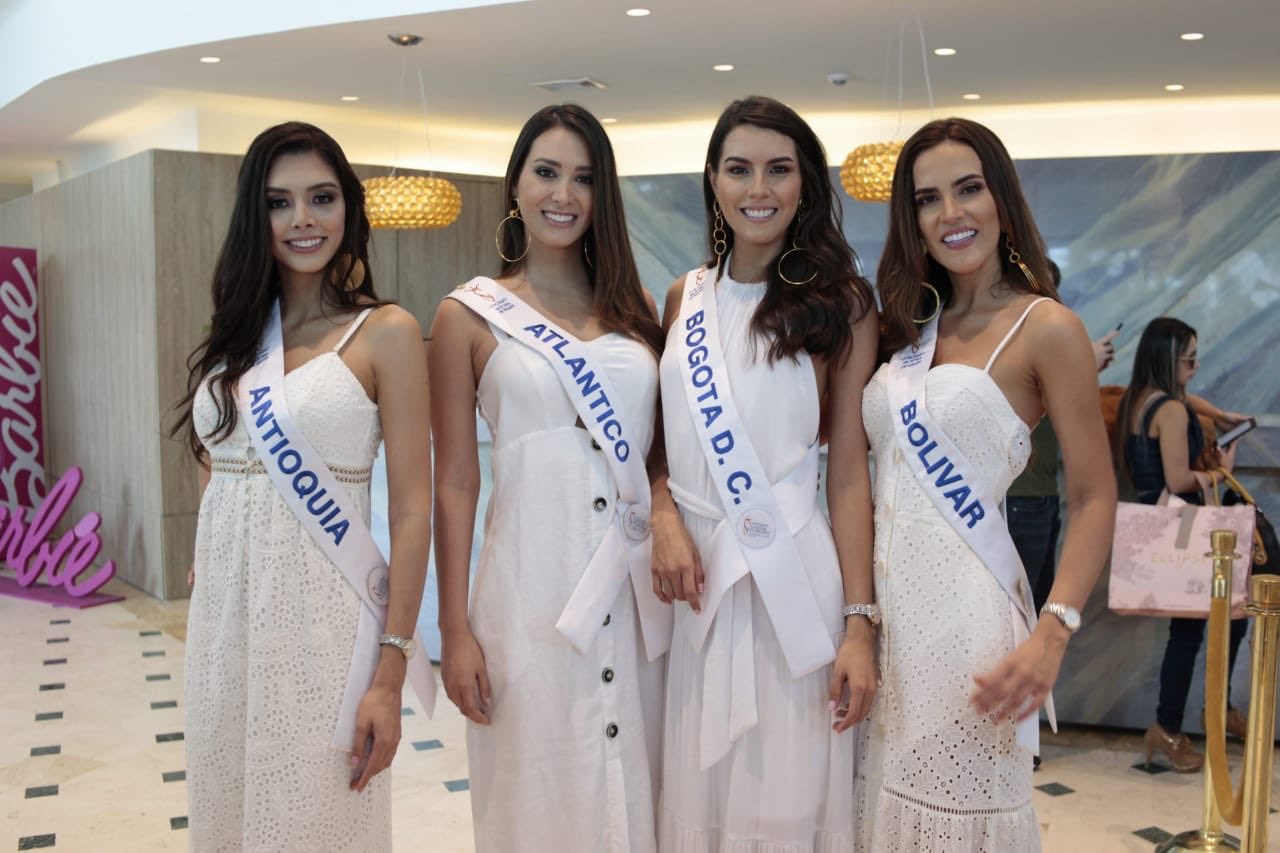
1192 236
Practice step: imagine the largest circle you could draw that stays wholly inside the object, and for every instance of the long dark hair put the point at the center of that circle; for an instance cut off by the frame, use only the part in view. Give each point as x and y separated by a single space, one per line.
813 317
246 281
618 296
903 266
1155 365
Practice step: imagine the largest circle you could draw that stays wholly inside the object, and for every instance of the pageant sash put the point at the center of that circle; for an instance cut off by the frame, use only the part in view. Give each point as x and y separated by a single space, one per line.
960 495
626 548
330 517
761 528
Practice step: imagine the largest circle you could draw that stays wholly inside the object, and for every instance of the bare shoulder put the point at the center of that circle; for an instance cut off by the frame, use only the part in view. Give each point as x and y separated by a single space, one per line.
676 291
651 302
1052 322
391 324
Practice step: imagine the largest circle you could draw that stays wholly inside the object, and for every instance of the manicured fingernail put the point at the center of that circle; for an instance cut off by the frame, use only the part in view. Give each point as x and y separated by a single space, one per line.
831 705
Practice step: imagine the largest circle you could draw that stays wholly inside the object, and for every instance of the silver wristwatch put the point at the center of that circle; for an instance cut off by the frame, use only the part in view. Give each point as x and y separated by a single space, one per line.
871 611
1067 615
404 644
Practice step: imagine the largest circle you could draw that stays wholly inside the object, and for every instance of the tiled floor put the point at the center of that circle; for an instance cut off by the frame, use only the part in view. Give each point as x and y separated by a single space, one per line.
91 752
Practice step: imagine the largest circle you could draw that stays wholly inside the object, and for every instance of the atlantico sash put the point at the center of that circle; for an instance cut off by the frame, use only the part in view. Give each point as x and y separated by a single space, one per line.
765 546
627 546
330 517
959 493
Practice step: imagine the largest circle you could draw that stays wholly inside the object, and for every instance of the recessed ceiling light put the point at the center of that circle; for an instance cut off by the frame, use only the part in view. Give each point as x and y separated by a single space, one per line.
945 51
350 97
972 96
638 13
1191 36
722 67
210 60
608 121
1174 87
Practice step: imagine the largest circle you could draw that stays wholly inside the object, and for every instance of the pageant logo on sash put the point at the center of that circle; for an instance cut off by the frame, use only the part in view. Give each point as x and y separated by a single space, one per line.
379 585
636 523
755 528
22 476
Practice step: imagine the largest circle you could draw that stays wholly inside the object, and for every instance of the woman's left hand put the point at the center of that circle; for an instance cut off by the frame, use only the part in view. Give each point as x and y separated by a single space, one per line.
854 679
377 735
1226 420
1020 683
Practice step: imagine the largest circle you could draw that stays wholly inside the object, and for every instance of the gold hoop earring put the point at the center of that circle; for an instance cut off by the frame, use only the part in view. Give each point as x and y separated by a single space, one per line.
937 308
586 256
1016 259
794 248
497 237
719 237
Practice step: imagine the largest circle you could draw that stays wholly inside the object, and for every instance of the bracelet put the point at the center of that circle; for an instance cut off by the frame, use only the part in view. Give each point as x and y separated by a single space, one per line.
871 611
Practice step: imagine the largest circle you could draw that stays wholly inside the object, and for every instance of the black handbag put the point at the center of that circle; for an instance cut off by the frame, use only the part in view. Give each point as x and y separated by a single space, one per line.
1266 548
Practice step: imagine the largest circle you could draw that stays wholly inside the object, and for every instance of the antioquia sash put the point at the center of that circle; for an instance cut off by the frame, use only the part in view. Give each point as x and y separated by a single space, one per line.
332 520
759 524
960 495
627 546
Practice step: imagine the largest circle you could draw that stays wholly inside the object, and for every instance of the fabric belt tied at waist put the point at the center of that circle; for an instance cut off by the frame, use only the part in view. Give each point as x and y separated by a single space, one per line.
724 629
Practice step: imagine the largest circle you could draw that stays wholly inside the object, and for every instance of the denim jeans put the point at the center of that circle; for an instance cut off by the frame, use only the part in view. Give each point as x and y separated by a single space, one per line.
1034 526
1185 638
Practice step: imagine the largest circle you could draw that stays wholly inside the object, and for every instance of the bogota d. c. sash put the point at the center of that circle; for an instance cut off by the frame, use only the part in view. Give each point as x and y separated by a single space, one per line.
626 547
960 495
329 516
753 511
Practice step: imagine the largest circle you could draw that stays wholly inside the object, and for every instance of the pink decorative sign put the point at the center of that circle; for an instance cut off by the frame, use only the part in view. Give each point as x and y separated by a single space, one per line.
22 480
41 563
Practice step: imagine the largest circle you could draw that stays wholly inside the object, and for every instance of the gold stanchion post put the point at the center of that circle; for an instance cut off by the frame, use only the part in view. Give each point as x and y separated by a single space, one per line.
1259 744
1210 837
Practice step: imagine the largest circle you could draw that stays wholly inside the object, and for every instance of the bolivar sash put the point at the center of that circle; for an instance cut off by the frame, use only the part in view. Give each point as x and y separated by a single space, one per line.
763 545
330 517
627 546
960 494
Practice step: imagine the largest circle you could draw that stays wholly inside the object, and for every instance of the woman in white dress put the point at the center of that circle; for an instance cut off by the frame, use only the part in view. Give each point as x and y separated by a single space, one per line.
765 674
972 317
273 624
562 734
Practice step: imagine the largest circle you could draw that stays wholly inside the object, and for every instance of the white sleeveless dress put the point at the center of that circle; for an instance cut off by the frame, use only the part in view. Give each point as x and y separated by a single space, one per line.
786 784
569 759
936 776
270 633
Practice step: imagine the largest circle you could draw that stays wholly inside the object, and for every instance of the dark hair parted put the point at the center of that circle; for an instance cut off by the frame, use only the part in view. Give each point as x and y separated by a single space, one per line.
1155 365
904 265
618 295
814 317
246 282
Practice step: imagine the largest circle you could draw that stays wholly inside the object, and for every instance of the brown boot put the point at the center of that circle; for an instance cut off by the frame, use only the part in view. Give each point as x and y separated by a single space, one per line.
1177 748
1237 723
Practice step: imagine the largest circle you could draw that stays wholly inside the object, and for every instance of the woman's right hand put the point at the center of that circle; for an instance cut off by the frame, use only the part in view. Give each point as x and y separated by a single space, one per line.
676 566
466 681
1226 456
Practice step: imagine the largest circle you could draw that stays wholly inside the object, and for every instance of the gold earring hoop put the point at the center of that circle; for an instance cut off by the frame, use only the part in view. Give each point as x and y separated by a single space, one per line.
937 307
1016 259
794 248
497 237
586 256
719 237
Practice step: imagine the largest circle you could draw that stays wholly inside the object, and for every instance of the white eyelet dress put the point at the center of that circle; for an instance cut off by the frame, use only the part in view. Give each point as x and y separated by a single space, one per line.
569 759
270 632
936 776
785 785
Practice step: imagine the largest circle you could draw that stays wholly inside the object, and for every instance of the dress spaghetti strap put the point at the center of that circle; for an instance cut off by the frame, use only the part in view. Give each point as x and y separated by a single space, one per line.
1009 336
353 328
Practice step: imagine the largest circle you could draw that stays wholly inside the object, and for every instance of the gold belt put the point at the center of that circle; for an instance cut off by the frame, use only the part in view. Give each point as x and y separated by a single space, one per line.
251 467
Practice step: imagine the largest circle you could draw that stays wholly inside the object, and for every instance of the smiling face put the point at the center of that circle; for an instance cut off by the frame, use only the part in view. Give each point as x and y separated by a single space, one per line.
757 183
555 189
956 212
306 211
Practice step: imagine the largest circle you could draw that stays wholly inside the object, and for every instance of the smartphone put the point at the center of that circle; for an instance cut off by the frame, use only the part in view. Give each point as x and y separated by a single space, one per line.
1235 432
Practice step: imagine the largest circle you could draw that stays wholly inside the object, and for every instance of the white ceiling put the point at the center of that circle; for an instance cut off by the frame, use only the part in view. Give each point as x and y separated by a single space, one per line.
477 64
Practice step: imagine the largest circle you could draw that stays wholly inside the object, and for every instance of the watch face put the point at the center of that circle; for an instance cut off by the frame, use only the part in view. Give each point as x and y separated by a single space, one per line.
1072 618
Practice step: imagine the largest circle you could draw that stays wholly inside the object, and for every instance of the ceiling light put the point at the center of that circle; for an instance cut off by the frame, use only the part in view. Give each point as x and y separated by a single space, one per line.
1191 36
350 97
1174 87
722 67
945 51
404 39
638 13
210 60
972 96
608 121
867 173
